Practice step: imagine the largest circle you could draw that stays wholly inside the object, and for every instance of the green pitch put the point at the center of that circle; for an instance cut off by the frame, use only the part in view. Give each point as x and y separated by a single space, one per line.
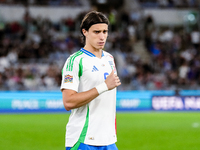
136 131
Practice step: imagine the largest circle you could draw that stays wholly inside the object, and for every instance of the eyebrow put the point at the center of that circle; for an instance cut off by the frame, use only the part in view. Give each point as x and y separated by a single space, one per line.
100 30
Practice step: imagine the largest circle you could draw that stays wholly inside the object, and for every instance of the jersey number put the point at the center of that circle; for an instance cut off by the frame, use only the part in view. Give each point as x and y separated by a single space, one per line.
105 75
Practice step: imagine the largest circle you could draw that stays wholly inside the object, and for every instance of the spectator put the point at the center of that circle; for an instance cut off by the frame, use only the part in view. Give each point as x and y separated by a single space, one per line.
32 51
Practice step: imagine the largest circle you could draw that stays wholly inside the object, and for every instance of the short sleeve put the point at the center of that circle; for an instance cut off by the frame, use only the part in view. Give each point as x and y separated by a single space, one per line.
70 77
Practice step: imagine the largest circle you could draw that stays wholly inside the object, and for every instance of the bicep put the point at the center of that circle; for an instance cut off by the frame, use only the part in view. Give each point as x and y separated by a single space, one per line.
67 93
67 96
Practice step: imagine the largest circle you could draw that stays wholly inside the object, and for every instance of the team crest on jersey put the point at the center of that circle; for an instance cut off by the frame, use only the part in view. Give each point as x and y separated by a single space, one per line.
112 66
111 63
68 79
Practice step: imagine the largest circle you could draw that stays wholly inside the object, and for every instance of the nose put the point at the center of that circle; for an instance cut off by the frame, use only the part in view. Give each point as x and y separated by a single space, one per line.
102 36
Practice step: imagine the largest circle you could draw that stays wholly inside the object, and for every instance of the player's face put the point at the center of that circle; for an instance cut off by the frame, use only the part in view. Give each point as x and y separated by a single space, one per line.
96 36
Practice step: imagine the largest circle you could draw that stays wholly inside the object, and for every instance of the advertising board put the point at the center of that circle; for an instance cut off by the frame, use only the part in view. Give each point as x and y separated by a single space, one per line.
27 101
31 101
176 102
51 101
133 100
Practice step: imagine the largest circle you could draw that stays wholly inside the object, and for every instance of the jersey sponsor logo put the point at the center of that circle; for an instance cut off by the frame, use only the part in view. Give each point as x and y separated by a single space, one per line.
94 69
68 79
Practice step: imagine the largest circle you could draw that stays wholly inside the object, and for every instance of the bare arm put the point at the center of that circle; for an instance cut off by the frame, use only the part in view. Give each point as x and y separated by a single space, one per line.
72 99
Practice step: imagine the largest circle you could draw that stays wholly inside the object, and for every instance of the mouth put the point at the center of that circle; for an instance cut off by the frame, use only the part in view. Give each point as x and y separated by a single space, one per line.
101 43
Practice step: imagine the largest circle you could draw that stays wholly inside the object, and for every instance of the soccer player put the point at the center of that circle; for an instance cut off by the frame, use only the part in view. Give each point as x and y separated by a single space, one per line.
89 81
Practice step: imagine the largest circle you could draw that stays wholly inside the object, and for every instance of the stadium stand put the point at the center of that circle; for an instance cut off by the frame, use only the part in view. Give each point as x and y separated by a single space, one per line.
34 49
43 2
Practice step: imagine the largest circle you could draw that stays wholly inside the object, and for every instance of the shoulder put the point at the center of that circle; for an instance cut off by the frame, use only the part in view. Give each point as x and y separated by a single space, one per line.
73 60
106 54
75 57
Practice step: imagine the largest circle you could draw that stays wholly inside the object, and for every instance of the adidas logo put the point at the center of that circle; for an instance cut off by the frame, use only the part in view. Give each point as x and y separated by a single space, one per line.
94 69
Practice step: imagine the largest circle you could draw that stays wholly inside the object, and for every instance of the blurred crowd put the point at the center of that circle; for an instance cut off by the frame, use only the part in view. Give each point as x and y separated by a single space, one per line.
145 3
170 3
34 50
43 2
175 58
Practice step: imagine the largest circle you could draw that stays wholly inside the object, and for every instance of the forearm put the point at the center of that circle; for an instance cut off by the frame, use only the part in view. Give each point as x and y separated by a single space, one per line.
73 99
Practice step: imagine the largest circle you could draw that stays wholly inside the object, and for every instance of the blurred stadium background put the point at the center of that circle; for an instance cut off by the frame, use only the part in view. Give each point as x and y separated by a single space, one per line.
155 42
156 45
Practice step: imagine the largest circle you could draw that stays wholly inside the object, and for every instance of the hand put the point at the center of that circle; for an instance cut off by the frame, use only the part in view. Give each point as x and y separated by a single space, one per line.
112 81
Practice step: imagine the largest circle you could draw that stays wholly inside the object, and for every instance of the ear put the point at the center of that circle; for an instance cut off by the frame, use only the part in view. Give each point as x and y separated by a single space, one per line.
84 32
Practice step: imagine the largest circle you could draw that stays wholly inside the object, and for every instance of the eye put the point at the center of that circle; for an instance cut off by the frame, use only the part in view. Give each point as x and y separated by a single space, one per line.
105 31
96 32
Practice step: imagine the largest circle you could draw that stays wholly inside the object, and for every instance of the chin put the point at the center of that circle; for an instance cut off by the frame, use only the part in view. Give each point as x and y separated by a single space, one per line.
101 47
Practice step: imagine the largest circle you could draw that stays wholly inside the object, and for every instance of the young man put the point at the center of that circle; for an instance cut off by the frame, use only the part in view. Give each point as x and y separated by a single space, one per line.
89 81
